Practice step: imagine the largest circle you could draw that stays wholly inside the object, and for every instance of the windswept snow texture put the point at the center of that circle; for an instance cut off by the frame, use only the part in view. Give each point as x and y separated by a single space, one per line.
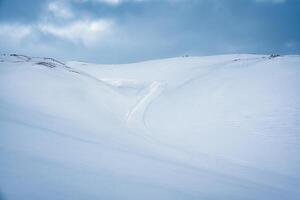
216 127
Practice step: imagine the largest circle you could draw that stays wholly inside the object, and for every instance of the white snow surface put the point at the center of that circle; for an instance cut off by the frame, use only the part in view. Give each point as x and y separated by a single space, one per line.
214 127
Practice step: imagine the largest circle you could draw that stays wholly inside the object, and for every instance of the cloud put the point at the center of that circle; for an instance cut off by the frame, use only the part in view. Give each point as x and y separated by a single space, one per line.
59 9
86 32
271 1
110 2
129 30
14 33
58 22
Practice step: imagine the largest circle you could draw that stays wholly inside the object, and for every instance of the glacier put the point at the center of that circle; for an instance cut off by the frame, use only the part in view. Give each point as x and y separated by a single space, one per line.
186 128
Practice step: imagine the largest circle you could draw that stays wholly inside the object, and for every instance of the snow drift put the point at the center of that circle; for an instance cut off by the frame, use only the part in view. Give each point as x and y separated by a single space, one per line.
215 127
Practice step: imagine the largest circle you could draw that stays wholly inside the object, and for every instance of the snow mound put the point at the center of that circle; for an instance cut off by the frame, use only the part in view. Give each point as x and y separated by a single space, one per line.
214 127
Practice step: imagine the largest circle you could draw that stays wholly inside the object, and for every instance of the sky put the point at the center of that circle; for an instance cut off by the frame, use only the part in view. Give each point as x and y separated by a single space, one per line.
124 31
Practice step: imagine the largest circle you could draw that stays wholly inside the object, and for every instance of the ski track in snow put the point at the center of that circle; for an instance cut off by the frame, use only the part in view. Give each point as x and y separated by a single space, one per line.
135 117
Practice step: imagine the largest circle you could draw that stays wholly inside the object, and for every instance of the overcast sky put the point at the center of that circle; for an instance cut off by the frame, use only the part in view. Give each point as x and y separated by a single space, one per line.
121 31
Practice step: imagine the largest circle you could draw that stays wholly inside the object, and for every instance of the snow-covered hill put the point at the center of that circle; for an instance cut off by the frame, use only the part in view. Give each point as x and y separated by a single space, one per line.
216 127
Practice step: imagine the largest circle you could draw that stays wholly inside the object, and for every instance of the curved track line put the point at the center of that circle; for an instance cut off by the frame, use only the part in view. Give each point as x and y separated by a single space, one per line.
135 117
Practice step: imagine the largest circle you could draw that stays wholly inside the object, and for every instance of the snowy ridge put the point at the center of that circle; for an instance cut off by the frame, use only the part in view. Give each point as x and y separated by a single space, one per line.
215 127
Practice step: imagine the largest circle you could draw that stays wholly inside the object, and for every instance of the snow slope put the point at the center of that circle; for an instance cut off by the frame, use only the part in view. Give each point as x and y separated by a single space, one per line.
215 127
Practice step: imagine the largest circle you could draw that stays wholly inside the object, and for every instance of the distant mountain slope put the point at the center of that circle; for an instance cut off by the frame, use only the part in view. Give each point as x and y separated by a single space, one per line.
215 127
